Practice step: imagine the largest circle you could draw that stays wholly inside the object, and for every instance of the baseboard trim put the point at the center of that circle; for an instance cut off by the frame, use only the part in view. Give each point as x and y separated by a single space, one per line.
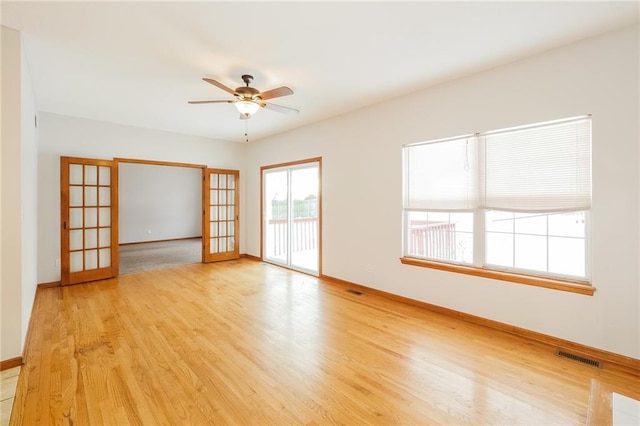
629 364
10 363
251 257
50 284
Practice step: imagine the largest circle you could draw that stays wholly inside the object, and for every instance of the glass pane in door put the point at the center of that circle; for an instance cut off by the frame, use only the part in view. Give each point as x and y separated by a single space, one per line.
276 211
304 220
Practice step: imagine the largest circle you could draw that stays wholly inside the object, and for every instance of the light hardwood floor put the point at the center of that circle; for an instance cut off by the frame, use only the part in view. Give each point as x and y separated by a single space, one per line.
244 342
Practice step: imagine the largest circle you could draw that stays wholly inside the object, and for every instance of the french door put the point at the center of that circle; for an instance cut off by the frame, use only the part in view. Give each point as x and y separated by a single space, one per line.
89 219
220 209
291 215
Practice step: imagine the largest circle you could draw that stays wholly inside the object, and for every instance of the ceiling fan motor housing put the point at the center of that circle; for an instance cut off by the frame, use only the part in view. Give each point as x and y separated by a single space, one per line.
247 93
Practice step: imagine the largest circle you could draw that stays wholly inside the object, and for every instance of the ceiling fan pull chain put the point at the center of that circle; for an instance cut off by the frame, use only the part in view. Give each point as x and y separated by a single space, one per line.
246 131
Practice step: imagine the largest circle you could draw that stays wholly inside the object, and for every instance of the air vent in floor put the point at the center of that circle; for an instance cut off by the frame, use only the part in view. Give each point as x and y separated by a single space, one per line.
356 292
588 361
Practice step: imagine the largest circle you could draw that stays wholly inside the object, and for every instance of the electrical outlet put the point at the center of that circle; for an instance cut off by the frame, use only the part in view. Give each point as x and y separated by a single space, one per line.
148 231
57 263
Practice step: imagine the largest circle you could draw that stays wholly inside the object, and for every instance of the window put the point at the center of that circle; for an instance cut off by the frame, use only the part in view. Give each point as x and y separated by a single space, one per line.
514 200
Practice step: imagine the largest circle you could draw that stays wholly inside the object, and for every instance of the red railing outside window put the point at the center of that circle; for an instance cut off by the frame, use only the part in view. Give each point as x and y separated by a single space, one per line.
436 240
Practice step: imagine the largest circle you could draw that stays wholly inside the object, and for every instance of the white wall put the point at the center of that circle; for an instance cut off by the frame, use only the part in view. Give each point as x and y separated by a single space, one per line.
18 183
362 187
77 137
159 202
11 271
29 184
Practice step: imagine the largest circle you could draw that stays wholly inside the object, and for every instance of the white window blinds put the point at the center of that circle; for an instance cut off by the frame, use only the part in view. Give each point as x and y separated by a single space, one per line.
544 168
540 168
441 175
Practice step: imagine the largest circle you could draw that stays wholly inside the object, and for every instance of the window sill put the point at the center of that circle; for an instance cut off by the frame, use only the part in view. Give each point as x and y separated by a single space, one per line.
581 287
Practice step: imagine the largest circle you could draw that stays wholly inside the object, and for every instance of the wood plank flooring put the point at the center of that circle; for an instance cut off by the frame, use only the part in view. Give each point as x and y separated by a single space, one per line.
243 342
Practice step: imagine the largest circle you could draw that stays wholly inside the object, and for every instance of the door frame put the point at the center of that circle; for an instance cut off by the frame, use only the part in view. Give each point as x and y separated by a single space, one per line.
203 167
114 163
290 164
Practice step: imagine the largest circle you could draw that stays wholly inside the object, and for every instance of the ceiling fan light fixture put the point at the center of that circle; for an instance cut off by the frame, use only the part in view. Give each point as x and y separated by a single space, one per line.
247 108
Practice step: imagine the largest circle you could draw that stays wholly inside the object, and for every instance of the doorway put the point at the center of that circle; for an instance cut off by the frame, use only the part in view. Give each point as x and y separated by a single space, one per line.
291 215
89 219
160 216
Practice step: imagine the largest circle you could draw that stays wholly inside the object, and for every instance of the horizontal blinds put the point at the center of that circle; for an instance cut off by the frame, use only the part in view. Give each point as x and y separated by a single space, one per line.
541 168
538 169
441 175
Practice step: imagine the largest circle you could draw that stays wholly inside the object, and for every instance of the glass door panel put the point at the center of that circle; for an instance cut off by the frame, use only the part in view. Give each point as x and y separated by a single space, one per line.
276 199
88 220
304 219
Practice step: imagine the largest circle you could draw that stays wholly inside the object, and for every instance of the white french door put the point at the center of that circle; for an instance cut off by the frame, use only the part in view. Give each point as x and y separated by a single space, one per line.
291 215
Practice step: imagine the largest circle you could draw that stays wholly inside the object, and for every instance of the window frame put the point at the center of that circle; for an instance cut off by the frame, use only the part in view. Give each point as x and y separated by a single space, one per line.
479 267
580 287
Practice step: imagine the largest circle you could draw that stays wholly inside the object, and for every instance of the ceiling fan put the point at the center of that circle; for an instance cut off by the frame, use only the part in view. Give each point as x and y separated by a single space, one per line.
248 100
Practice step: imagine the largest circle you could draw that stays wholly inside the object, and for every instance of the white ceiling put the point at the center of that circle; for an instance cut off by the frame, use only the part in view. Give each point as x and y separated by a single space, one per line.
138 63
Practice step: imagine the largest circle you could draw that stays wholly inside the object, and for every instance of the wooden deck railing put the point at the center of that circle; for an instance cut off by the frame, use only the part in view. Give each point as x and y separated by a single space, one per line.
432 239
426 239
304 233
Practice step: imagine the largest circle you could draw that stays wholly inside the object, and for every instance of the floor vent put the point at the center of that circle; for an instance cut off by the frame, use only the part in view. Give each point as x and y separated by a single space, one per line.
356 292
588 361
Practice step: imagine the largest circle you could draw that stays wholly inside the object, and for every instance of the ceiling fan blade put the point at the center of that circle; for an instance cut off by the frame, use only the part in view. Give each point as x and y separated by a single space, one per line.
211 102
276 93
220 85
281 108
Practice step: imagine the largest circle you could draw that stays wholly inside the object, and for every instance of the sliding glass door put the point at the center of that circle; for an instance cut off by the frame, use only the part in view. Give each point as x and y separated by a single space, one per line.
291 215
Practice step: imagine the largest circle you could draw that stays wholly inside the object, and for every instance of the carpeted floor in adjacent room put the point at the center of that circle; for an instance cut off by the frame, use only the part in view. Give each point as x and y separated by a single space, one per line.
160 254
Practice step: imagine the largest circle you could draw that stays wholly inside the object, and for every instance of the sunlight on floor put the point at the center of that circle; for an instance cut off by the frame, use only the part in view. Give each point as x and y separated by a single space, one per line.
9 381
